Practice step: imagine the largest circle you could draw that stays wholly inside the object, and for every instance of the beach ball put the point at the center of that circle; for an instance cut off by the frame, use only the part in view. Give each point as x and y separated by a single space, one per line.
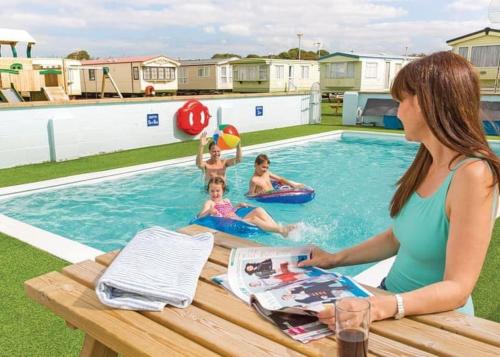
226 137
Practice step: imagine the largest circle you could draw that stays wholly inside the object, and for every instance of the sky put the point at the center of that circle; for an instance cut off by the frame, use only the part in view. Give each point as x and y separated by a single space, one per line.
191 29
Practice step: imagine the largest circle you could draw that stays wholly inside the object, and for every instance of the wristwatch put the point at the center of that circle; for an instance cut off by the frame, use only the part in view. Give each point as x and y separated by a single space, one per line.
401 308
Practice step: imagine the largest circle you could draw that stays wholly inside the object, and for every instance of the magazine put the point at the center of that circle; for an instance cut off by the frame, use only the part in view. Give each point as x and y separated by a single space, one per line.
270 280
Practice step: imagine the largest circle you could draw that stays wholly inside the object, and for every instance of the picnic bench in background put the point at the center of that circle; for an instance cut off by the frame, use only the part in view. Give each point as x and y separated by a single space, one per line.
217 323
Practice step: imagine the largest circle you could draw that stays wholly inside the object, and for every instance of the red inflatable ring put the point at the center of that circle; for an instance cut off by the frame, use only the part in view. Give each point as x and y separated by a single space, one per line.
192 117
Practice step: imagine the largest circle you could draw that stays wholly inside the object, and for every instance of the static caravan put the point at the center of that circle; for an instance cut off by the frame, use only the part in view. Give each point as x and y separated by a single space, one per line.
132 75
482 49
255 75
206 75
346 71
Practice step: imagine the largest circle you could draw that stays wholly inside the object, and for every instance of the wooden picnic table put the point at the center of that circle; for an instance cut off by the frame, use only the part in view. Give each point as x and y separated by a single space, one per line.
217 323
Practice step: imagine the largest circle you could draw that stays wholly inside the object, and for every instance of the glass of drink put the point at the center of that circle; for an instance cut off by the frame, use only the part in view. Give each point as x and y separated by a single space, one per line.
352 324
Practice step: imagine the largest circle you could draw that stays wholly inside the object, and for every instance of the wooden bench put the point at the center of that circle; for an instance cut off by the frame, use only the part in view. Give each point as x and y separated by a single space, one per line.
217 323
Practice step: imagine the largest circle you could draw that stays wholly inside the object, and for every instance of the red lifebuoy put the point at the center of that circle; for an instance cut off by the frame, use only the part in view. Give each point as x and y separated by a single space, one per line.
192 117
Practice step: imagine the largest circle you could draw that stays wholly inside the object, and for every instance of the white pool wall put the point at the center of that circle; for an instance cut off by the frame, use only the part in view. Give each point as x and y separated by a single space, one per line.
39 133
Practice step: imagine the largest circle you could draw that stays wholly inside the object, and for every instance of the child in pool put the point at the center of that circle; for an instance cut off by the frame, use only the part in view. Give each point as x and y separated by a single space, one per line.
262 178
219 206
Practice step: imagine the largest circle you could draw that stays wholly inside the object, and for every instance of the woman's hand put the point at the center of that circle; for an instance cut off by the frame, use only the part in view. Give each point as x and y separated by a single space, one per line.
320 258
242 204
381 307
203 139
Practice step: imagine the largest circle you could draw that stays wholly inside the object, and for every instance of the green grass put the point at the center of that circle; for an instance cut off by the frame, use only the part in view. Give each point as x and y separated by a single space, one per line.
27 329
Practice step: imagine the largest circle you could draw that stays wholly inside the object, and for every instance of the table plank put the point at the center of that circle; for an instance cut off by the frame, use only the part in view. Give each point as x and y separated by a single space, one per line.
473 327
207 329
87 272
125 332
93 348
221 239
432 339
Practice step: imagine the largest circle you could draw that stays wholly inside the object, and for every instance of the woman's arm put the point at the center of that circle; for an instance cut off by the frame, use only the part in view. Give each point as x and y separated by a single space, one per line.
379 247
237 159
199 155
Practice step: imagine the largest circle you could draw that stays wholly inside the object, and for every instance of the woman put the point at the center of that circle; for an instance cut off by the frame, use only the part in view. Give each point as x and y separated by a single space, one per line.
445 204
215 166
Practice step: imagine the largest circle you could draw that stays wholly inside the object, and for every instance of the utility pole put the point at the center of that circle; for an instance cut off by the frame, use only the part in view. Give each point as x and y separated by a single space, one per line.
318 44
299 35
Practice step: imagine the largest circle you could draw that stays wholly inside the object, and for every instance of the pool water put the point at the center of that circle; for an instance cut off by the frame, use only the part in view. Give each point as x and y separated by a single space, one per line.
354 179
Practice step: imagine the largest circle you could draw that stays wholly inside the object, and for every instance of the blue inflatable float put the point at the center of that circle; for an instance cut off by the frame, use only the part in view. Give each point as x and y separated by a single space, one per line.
232 226
285 194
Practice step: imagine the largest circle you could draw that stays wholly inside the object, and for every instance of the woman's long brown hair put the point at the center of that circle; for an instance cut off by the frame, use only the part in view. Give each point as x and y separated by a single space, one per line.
447 89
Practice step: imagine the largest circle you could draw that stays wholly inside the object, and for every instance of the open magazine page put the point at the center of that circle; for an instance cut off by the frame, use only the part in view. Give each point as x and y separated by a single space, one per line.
254 270
303 328
308 296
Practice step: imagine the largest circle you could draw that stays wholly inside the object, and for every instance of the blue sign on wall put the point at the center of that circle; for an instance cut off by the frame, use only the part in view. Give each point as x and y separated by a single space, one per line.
259 111
153 120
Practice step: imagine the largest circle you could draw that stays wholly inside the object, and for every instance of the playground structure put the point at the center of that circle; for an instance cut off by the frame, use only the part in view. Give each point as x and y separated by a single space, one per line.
35 79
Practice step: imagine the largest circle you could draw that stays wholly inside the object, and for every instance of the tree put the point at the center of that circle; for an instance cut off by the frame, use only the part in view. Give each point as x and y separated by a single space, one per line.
79 55
225 55
252 55
323 53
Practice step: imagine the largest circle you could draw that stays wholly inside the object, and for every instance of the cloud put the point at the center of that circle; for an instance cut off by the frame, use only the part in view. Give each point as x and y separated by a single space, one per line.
469 5
235 29
200 28
209 29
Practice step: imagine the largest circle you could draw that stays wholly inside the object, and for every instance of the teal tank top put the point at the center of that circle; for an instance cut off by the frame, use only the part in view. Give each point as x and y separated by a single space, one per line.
422 228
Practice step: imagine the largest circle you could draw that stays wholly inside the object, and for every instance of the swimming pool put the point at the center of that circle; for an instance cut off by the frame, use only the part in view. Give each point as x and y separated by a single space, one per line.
353 175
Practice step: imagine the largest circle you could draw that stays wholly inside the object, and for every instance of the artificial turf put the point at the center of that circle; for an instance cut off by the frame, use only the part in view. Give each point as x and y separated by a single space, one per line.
27 329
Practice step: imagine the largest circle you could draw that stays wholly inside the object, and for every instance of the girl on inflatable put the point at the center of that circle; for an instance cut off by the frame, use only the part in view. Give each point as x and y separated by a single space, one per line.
261 181
219 206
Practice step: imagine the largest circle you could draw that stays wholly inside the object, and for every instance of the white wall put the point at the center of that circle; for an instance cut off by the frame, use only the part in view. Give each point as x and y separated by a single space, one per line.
81 130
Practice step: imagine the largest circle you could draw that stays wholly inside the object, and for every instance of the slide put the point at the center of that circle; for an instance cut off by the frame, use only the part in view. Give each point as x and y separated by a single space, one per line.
10 95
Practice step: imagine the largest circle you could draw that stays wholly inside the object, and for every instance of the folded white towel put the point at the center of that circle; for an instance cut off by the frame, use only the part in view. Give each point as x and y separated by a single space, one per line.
156 268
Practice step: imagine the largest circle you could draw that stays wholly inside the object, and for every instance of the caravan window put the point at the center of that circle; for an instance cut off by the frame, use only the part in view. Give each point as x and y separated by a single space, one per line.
135 73
203 72
485 56
341 70
182 75
223 74
91 74
262 72
464 52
